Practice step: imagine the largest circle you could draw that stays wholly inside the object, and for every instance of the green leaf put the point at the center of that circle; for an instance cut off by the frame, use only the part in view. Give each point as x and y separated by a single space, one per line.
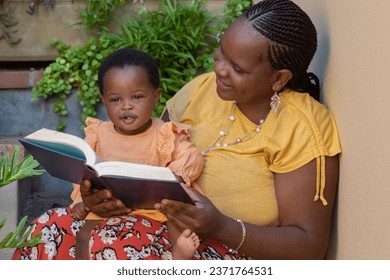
16 171
2 223
12 239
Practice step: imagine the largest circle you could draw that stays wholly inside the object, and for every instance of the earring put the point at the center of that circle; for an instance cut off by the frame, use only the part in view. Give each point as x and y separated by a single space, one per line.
275 103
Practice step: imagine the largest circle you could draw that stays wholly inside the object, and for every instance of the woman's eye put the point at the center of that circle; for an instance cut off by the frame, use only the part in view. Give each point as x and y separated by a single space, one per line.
237 69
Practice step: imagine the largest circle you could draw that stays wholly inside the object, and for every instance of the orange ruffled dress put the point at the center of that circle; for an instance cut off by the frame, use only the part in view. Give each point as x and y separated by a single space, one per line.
163 144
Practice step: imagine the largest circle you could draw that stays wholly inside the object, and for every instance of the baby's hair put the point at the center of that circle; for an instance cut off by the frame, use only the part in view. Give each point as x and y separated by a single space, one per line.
130 57
294 39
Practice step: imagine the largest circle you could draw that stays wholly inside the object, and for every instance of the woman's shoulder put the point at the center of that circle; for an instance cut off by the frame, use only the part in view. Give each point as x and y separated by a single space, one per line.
304 129
194 91
305 107
302 114
305 120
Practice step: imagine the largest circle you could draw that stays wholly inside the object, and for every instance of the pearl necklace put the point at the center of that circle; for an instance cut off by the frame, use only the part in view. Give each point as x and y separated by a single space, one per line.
225 132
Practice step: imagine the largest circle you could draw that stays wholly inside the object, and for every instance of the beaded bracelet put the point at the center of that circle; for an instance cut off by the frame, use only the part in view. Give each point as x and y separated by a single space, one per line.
242 238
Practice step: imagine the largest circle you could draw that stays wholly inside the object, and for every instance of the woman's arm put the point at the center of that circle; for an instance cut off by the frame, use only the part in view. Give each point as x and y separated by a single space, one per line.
304 224
304 227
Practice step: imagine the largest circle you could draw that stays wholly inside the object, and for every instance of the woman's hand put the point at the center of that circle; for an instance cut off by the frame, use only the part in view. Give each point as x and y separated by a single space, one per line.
101 202
202 218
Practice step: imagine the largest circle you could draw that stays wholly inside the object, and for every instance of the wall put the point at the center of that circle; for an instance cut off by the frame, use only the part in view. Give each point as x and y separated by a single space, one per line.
353 60
47 24
38 29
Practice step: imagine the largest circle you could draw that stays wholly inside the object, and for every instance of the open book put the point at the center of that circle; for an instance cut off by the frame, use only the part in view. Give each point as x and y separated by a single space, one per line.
70 158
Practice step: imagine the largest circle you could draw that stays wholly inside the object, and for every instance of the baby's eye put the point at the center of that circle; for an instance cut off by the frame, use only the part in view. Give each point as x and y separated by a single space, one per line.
114 99
137 97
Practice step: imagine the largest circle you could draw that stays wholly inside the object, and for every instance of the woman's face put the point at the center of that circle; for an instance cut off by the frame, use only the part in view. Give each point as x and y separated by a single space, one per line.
129 98
243 71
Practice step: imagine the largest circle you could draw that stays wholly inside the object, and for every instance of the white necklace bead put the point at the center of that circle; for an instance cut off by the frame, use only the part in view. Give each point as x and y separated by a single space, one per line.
224 132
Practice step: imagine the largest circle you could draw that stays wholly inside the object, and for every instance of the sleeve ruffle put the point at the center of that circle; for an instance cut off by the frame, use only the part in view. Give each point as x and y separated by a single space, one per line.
75 195
177 153
91 136
92 131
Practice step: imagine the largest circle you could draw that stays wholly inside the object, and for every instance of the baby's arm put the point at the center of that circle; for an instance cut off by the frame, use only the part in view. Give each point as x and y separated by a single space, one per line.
80 211
187 161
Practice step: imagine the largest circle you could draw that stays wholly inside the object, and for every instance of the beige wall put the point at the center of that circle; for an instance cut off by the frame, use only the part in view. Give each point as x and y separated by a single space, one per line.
39 29
353 61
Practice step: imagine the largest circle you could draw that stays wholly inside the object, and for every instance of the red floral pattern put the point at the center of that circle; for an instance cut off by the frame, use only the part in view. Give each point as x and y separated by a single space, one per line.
117 238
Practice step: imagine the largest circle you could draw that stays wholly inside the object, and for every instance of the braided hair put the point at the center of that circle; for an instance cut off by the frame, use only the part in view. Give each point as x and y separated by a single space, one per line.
294 40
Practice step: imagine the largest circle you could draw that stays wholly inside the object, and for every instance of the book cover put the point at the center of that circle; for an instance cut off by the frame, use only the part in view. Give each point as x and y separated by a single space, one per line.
136 185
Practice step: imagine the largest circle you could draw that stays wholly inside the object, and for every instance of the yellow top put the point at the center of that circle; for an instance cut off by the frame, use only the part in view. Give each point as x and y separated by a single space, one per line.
163 144
238 179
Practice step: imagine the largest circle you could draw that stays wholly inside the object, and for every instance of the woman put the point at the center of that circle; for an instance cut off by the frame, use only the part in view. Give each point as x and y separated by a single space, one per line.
271 150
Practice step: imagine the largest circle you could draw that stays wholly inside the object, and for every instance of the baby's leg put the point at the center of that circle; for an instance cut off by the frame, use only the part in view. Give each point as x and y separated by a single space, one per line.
82 240
186 245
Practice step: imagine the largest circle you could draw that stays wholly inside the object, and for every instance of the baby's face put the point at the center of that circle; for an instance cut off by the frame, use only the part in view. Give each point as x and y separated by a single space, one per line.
129 98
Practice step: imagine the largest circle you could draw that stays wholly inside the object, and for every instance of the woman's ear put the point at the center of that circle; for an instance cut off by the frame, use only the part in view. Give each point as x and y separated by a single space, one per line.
282 78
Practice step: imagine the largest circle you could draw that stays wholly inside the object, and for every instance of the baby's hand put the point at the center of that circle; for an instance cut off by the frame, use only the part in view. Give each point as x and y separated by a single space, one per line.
80 211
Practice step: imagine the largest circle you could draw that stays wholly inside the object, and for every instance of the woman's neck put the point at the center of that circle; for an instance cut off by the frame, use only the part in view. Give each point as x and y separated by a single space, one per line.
255 112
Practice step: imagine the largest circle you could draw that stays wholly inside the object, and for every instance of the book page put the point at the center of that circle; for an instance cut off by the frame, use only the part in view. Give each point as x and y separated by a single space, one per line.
49 135
133 170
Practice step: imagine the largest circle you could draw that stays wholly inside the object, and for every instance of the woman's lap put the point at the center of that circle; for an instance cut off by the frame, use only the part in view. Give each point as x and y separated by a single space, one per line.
59 230
124 238
130 238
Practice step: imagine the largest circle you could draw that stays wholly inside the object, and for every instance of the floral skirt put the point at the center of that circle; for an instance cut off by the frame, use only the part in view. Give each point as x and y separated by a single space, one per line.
118 238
